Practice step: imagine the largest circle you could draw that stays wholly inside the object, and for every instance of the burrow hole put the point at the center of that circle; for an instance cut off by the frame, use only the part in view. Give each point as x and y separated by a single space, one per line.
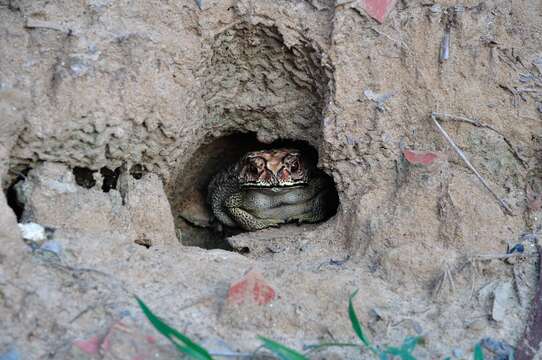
85 177
192 214
11 193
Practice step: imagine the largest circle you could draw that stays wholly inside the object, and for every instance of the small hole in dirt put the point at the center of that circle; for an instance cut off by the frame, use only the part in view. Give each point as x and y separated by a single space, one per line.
198 226
137 171
244 250
11 195
110 178
146 243
84 177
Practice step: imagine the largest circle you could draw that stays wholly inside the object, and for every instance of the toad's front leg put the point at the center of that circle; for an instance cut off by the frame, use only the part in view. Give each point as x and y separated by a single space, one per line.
247 221
313 210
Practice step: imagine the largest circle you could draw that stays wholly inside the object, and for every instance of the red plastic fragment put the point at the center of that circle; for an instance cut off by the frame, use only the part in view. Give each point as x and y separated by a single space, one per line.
419 157
101 345
251 288
94 344
150 339
90 346
378 9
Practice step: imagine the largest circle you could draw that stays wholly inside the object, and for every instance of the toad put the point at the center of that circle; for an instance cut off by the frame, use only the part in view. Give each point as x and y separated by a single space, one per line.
267 188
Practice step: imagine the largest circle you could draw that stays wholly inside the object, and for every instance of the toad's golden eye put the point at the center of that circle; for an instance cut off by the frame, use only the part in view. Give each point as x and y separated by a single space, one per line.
256 165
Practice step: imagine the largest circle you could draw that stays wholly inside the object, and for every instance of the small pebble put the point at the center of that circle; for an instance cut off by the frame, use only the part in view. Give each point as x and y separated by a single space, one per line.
435 9
33 232
459 8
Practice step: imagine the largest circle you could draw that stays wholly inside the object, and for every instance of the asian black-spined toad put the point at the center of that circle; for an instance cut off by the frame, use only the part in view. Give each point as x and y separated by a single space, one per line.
267 188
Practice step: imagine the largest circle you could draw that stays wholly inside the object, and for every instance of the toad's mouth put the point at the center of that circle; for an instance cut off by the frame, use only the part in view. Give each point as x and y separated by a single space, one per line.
266 185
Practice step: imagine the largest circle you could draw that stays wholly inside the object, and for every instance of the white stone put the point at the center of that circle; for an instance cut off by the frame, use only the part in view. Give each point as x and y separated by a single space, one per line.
32 232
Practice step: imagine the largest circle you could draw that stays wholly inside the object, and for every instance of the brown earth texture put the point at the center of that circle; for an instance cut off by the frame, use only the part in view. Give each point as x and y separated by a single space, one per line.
116 114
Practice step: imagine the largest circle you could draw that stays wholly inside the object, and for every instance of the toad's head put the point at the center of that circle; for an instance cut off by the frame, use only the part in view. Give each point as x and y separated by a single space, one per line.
273 168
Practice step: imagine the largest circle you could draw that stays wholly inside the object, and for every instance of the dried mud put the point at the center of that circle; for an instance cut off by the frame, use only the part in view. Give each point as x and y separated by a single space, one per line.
114 115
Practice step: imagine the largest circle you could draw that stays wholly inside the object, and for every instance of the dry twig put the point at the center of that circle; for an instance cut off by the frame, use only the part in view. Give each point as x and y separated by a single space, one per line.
451 269
446 276
480 124
500 256
396 41
459 152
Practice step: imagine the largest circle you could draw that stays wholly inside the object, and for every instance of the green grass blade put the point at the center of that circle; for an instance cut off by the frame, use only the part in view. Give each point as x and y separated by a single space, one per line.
181 341
281 351
189 352
356 325
316 347
410 342
392 350
478 353
407 356
404 355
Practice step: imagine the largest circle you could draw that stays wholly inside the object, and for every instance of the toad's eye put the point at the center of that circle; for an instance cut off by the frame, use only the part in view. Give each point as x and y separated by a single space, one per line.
294 166
256 165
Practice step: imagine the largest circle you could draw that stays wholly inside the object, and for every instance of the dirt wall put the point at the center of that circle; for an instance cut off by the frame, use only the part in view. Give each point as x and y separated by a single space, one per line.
171 91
